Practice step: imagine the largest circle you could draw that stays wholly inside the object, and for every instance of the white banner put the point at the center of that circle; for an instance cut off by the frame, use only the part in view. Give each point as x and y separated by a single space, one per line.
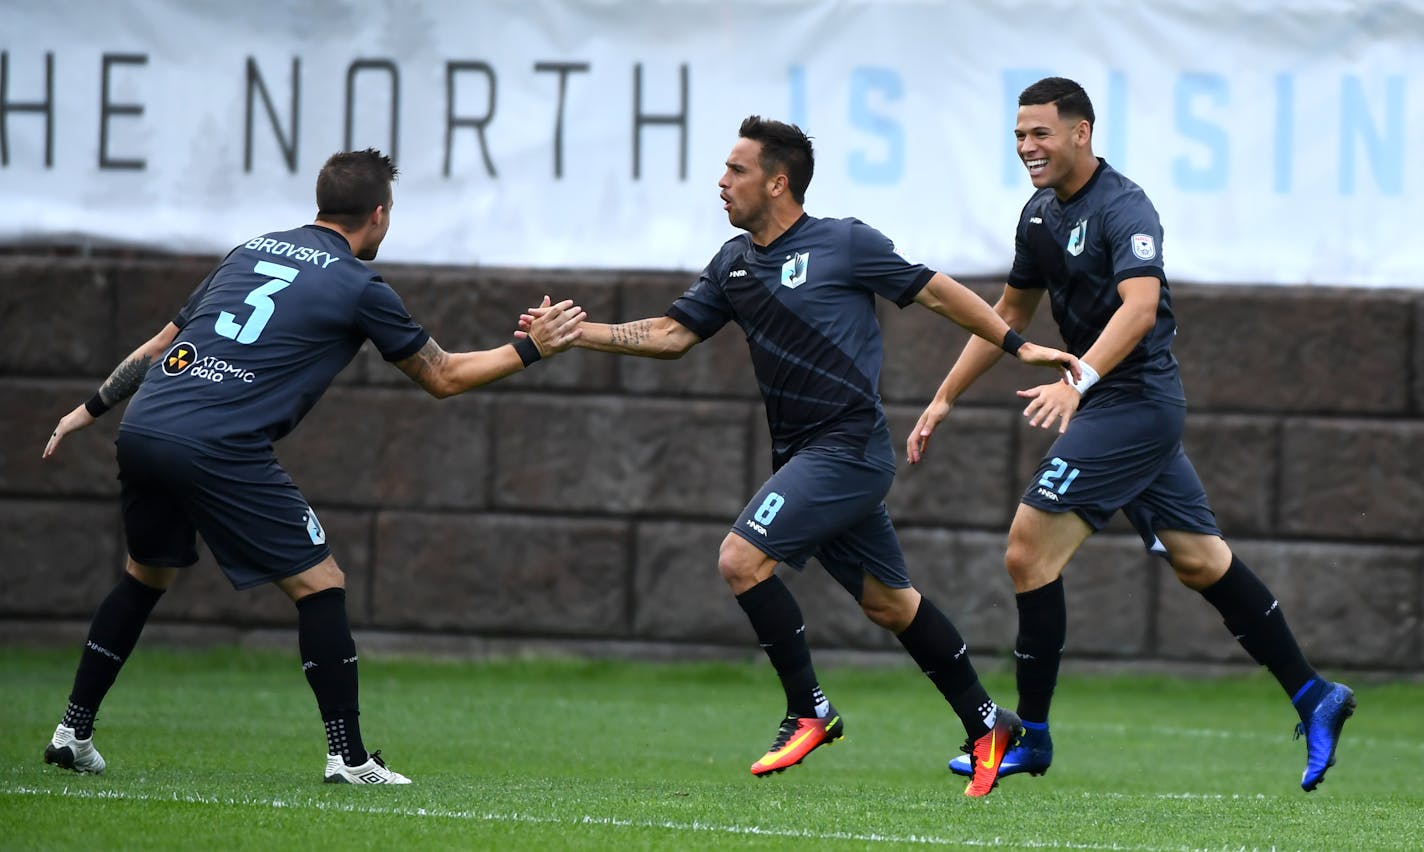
591 133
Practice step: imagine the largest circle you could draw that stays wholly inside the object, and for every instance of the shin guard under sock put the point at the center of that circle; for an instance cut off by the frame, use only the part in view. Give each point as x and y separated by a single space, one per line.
942 654
112 636
781 630
329 661
1254 617
1038 650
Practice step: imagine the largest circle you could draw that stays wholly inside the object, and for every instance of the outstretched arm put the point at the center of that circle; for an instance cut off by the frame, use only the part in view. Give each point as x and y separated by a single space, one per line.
1014 309
122 383
654 337
444 374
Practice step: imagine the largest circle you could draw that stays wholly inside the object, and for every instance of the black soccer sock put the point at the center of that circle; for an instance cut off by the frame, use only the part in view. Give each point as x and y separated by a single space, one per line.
1038 650
776 618
1254 617
329 660
112 636
942 654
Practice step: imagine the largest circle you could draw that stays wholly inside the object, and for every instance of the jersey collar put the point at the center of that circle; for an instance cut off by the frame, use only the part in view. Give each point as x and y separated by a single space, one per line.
795 226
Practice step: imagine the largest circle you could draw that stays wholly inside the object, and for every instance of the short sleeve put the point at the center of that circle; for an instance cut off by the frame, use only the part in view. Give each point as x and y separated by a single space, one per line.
1133 233
1025 274
381 316
704 308
190 307
875 263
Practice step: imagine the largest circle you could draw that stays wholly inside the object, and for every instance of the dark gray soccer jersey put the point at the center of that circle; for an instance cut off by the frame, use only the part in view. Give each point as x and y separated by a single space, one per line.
807 305
262 337
1080 250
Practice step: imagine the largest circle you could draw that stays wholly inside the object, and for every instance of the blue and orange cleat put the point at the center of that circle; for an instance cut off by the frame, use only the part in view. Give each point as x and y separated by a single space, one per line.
1033 754
1321 729
989 751
798 737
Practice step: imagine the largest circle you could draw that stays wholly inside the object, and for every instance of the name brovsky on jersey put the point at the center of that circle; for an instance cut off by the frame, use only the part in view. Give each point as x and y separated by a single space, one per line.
263 336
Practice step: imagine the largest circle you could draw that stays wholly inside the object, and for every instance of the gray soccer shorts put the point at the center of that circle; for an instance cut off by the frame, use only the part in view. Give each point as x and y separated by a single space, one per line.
1125 455
257 524
828 502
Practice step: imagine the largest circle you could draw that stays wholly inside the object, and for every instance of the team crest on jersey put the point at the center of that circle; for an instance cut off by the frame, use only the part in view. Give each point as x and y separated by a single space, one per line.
1144 246
1078 238
793 271
179 358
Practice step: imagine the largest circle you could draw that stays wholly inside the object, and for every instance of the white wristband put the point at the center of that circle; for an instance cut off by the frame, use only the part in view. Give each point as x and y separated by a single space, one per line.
1090 377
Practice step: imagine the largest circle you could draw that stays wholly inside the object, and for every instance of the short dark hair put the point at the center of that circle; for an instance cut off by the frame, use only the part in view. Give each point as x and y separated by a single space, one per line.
1071 100
352 184
784 147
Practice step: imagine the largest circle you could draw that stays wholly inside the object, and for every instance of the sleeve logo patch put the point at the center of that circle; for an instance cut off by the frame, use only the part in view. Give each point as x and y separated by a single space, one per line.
1144 246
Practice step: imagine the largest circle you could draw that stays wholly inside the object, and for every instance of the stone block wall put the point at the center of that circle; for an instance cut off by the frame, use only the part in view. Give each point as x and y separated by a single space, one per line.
583 500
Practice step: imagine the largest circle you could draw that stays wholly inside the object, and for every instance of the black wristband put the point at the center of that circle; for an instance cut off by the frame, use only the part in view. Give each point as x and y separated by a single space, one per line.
1013 342
95 406
527 349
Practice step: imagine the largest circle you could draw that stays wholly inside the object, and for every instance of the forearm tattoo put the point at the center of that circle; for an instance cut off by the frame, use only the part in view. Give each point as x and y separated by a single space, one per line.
124 381
630 334
426 364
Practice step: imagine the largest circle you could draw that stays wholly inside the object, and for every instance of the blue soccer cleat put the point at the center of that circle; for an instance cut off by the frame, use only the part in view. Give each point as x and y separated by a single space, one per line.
1321 729
1033 754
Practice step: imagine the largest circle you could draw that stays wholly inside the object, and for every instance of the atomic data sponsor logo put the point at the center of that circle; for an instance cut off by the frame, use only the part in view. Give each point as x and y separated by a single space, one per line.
183 358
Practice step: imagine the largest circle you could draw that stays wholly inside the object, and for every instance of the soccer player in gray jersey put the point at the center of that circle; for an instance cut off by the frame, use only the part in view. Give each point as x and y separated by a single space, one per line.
803 290
244 360
1091 239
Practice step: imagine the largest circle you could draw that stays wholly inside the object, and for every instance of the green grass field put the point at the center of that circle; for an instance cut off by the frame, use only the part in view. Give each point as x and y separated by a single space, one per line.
223 750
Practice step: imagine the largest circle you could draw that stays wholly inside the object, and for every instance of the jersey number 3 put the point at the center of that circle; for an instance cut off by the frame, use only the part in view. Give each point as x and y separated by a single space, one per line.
279 278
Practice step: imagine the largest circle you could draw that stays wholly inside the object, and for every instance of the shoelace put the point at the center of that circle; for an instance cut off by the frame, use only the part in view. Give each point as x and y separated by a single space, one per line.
376 756
786 732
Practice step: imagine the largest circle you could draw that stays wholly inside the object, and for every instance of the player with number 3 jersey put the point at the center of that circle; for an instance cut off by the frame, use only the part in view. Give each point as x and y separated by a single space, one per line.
244 360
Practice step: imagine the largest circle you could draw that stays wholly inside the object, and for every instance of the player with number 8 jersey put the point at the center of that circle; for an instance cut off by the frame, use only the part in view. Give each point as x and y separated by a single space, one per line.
803 290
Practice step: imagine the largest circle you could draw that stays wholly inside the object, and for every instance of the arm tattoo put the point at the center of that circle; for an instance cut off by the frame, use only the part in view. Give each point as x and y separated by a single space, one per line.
630 334
424 365
124 381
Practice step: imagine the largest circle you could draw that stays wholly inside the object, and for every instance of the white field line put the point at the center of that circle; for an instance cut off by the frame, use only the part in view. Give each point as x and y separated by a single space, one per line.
1255 735
614 822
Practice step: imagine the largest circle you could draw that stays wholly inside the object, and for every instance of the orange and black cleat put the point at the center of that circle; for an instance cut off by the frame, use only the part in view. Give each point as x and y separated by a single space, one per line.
798 737
987 752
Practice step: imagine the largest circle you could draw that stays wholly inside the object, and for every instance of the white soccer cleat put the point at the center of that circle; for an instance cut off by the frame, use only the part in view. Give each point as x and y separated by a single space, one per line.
373 771
69 752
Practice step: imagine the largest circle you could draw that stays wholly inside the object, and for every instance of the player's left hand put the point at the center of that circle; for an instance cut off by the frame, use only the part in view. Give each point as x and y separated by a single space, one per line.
1052 402
71 422
1045 356
553 328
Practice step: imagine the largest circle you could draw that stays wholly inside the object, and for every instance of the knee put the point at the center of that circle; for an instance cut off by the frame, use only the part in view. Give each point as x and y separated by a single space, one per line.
154 578
1028 566
887 614
318 578
737 571
1021 559
893 610
1197 570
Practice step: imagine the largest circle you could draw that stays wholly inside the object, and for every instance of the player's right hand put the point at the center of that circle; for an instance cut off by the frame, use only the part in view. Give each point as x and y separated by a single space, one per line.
919 439
554 328
1057 401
